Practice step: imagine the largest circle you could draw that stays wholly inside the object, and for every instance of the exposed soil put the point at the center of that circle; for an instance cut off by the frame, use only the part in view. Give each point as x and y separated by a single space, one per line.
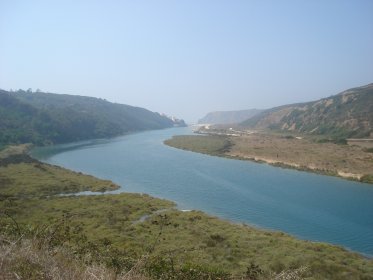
349 161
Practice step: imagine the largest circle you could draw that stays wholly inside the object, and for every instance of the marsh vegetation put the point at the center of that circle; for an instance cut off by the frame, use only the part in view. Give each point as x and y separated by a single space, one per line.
103 232
303 153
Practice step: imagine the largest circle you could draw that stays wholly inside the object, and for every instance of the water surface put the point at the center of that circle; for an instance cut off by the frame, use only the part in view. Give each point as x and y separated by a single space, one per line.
306 205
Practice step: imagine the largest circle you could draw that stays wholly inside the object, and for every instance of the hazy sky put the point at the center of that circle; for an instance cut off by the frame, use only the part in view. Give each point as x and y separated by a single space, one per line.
186 58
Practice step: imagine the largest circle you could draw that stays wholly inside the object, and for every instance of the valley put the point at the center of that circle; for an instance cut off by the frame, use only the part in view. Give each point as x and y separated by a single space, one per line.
104 230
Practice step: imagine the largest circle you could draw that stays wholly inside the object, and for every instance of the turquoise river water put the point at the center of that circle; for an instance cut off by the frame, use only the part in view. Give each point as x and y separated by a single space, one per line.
306 205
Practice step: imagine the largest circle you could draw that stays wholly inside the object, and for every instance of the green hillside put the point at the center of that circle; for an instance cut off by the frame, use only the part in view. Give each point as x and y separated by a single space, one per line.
347 114
44 118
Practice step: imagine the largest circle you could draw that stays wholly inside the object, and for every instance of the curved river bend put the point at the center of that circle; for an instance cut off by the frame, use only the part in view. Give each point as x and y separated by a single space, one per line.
309 206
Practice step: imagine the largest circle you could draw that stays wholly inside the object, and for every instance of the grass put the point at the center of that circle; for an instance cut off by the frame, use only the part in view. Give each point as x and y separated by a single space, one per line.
22 176
33 259
36 179
208 144
109 233
6 150
348 161
192 238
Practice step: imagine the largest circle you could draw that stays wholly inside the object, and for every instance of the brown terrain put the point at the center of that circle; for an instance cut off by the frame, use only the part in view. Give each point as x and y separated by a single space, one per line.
354 160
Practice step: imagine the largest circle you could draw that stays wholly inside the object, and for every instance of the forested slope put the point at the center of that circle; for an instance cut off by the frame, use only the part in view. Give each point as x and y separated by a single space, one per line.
43 118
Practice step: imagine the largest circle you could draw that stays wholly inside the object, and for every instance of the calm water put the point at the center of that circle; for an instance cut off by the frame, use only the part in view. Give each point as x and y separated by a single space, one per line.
306 205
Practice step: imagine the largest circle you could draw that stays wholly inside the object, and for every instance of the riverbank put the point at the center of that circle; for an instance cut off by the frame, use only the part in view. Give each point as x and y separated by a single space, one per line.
346 161
174 240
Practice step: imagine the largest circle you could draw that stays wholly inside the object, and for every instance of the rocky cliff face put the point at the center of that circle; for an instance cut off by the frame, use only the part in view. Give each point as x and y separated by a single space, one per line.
347 114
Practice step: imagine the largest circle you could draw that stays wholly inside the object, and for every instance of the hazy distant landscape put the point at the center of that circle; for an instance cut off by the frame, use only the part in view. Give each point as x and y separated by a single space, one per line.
201 238
46 118
186 140
331 136
344 115
228 117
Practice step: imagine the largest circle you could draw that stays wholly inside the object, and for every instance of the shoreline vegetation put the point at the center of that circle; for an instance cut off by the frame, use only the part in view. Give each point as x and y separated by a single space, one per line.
304 153
107 236
43 118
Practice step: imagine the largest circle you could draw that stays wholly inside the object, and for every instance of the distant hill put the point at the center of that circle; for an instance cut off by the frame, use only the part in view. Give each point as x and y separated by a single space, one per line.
347 114
43 118
228 117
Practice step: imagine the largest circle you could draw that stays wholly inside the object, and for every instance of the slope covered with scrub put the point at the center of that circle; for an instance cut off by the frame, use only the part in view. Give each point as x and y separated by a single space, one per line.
345 115
118 231
47 118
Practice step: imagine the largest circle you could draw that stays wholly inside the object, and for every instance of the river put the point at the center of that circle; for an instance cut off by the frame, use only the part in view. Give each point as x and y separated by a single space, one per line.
306 205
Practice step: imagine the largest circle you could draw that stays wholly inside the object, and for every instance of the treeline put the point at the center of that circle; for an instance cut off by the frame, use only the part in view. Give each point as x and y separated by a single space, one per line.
45 118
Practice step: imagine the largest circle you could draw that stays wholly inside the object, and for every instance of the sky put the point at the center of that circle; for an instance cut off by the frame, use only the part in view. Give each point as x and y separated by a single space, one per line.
186 58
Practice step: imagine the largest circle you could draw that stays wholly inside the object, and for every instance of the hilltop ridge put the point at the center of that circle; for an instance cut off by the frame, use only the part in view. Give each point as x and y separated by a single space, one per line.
228 117
47 118
344 115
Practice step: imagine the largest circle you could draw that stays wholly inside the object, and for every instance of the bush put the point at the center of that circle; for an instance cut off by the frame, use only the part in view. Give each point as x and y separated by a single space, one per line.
367 178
